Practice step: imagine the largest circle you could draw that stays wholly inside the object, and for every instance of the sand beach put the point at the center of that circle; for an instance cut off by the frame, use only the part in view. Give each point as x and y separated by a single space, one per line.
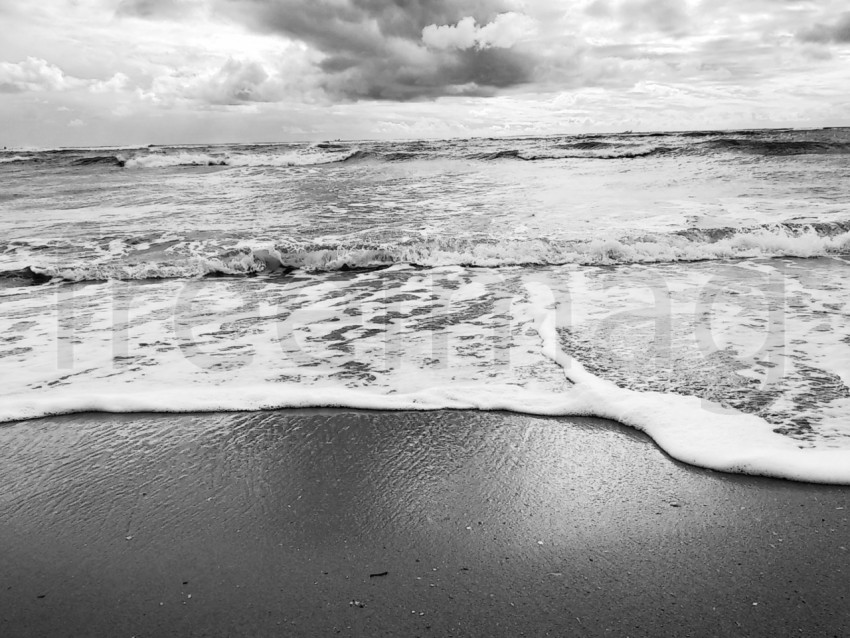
357 523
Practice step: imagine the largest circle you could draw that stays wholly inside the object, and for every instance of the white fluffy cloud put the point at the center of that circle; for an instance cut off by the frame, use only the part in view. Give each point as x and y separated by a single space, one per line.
118 82
33 74
235 82
506 30
37 75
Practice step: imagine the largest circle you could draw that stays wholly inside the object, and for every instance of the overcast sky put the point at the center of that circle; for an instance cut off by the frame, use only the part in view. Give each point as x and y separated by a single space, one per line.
95 72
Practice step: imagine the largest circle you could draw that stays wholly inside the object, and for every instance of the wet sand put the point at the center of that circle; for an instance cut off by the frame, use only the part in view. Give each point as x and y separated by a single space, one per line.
327 522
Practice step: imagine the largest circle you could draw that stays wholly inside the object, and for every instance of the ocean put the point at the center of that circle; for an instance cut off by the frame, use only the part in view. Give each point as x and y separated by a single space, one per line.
692 285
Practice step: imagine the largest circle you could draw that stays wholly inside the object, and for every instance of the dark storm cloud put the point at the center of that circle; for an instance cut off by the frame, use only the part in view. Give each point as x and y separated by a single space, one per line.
838 32
374 48
469 73
331 24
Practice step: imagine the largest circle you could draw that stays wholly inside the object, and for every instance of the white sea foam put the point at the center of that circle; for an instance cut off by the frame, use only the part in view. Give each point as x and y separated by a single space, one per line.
451 338
685 427
691 429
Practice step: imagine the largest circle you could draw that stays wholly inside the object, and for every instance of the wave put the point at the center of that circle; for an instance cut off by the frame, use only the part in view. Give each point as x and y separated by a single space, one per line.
587 145
597 151
156 160
164 157
625 154
780 147
294 158
360 156
498 155
769 143
106 160
25 275
331 154
386 156
591 150
736 133
775 240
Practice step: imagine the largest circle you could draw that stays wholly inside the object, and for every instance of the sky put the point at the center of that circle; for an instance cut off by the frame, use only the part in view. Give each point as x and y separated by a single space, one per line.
127 72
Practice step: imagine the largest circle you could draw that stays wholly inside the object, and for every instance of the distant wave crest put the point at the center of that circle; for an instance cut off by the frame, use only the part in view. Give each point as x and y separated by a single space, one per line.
779 147
621 146
106 160
156 160
595 151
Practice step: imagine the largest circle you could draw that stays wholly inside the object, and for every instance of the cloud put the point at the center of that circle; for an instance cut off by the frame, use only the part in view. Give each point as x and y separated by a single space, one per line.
504 32
37 75
839 32
118 82
173 9
235 82
378 49
33 74
470 72
464 35
666 16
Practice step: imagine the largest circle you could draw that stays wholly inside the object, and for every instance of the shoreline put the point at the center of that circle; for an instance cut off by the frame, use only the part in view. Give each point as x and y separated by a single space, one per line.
331 521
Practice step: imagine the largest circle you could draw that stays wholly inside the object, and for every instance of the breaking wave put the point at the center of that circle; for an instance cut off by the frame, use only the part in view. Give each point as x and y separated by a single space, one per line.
167 157
777 240
156 160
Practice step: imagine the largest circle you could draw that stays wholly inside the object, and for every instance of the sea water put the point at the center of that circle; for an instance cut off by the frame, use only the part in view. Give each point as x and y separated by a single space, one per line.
692 285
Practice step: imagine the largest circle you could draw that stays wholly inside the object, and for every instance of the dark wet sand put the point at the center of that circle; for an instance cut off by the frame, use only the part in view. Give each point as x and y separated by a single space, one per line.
483 524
